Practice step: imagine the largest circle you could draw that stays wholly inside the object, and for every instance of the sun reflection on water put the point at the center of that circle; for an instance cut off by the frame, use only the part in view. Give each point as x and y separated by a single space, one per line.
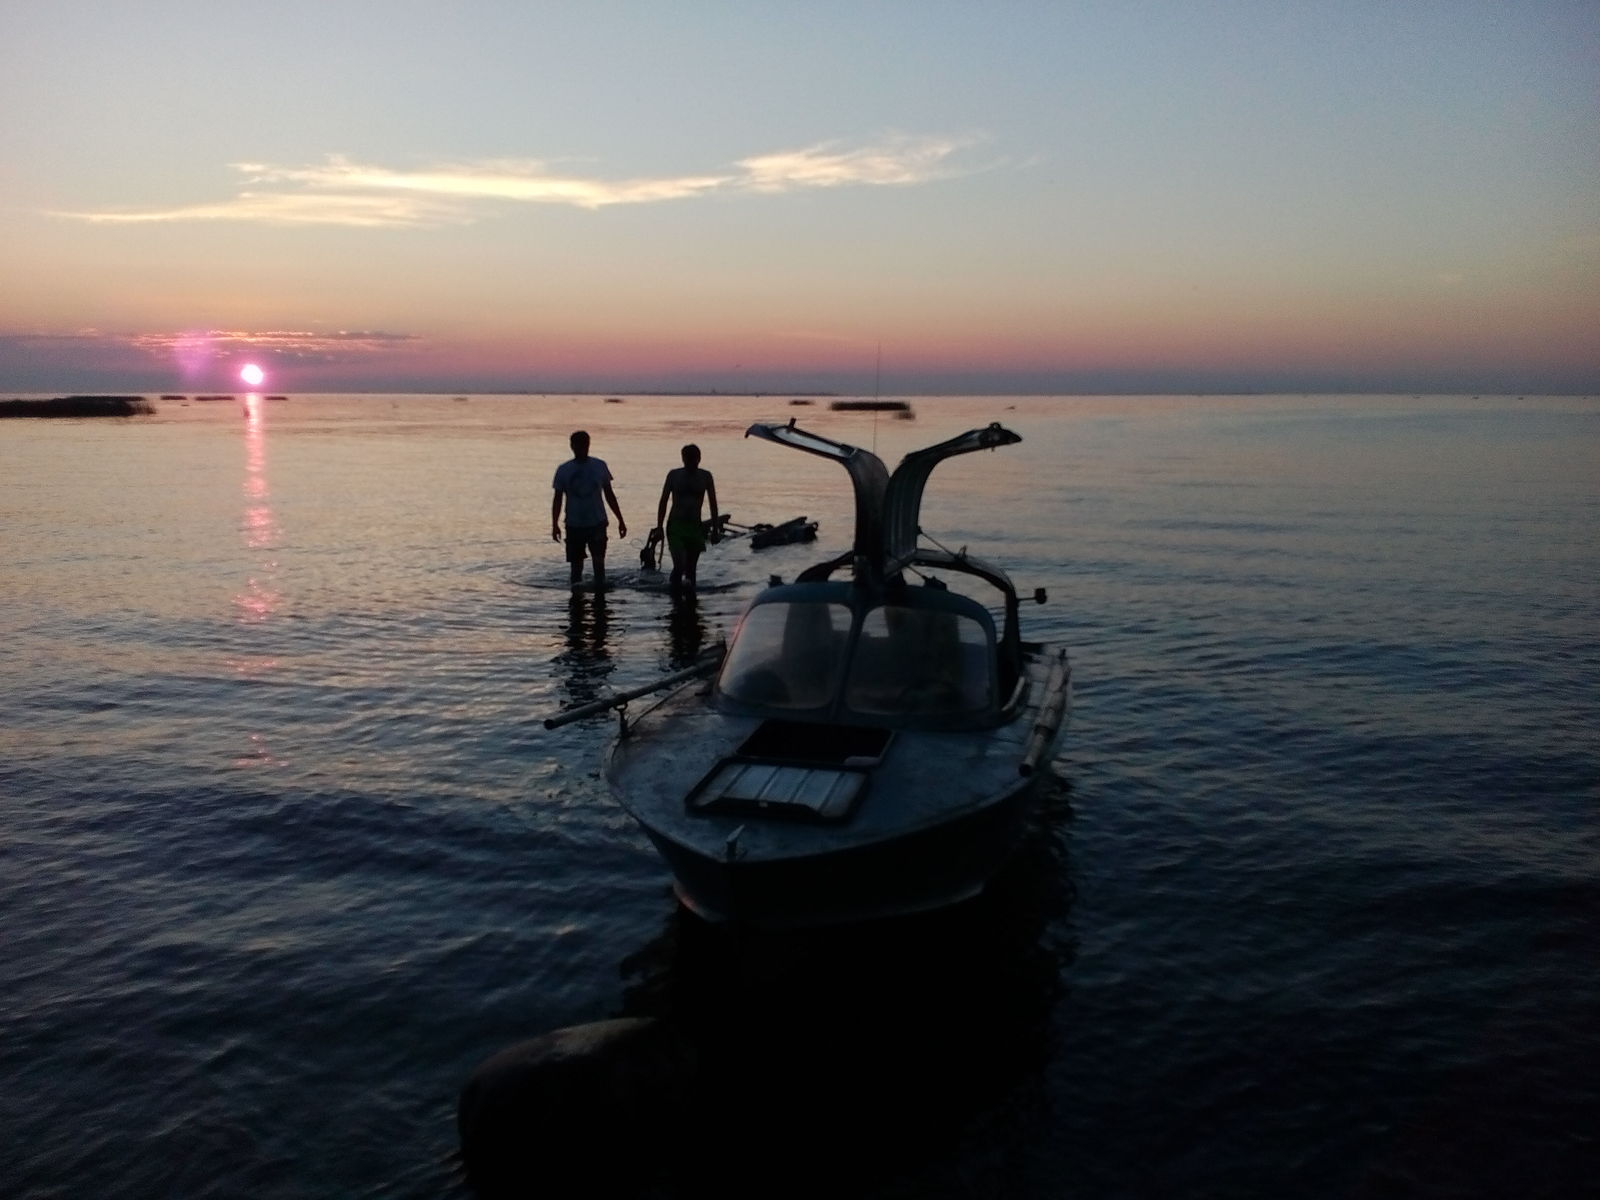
259 597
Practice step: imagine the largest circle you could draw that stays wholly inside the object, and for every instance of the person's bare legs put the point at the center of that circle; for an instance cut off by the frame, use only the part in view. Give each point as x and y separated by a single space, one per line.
675 580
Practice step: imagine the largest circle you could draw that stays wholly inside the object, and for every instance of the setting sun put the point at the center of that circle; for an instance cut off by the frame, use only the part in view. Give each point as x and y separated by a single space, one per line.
252 374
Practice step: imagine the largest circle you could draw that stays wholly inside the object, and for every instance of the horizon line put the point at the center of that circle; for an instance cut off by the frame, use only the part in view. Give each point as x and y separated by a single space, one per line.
680 393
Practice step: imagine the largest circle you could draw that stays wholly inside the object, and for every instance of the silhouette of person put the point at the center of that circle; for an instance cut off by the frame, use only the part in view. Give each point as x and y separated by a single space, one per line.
687 487
585 482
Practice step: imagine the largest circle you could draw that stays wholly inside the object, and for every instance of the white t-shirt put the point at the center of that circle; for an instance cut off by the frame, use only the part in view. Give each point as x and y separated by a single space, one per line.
583 481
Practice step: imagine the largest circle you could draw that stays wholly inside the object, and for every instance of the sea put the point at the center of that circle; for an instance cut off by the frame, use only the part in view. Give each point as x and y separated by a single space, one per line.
1309 904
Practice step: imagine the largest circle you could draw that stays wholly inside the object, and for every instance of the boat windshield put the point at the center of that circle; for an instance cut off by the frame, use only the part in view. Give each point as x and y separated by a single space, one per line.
787 655
921 661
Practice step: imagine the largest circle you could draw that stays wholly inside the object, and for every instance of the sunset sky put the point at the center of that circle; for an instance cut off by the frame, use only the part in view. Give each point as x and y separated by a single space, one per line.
1032 197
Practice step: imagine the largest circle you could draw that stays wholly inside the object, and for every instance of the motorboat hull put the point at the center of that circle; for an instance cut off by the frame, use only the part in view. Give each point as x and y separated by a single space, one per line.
940 814
928 869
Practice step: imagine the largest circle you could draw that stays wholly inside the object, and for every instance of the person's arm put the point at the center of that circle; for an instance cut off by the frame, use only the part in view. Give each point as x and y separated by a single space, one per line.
555 516
611 499
711 495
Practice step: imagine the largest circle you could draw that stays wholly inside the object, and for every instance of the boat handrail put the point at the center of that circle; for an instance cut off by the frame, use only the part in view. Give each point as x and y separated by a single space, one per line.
1018 697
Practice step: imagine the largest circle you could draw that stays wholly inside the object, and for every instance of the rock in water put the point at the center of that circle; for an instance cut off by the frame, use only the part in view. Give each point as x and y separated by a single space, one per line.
585 1110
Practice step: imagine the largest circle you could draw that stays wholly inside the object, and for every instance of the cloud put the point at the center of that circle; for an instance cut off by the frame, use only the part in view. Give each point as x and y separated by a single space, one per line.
303 345
341 192
898 162
297 208
282 344
195 358
524 182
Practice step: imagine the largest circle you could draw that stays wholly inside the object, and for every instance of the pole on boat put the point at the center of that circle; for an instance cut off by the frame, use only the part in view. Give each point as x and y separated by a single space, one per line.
594 707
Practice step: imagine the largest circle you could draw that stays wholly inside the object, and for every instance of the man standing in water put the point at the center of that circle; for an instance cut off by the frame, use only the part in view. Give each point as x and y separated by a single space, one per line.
585 481
687 487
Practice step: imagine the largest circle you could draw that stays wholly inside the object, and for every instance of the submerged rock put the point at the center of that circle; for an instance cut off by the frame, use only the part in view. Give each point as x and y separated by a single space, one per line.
585 1110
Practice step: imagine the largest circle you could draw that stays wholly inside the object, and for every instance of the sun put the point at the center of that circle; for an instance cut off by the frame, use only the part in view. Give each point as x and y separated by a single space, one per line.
252 374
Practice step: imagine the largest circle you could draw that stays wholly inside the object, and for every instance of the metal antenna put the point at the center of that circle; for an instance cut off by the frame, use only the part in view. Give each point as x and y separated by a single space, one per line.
877 377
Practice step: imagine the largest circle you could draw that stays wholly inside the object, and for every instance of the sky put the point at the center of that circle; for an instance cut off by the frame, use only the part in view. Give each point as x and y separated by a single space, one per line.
911 198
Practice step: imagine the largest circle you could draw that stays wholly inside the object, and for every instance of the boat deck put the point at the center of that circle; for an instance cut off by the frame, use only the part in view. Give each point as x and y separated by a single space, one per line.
681 749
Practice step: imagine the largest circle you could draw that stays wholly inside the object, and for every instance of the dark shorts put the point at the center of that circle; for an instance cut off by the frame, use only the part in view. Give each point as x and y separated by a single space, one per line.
582 538
685 535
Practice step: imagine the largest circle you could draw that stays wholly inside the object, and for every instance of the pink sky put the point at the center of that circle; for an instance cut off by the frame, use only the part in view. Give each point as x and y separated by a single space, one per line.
1364 197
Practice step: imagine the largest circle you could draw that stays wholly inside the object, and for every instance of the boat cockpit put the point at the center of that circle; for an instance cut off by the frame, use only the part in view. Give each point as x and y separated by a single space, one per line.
877 651
900 658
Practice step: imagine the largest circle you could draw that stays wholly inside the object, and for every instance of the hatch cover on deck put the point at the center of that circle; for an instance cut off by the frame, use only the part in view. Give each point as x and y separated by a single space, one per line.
743 786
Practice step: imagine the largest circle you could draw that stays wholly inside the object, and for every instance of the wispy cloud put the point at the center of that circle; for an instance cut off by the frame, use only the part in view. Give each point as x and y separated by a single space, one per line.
500 179
296 208
198 357
901 161
342 192
283 344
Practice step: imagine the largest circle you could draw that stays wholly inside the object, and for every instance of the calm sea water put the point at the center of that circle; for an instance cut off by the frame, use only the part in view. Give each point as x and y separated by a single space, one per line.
1310 908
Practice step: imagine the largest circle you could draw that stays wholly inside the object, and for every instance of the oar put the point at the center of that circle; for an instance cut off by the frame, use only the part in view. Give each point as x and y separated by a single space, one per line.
567 716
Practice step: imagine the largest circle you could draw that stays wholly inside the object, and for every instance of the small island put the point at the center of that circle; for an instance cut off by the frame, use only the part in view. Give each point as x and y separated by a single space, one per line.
78 406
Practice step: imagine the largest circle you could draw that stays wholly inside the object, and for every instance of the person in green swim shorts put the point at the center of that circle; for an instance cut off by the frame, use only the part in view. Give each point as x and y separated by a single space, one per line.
687 487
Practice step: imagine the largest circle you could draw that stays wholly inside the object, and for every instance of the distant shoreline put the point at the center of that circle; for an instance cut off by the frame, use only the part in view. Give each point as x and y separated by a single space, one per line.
78 406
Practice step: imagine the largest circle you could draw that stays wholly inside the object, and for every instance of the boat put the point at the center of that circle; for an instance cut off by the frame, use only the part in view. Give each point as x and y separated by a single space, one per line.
894 406
866 746
761 534
787 533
